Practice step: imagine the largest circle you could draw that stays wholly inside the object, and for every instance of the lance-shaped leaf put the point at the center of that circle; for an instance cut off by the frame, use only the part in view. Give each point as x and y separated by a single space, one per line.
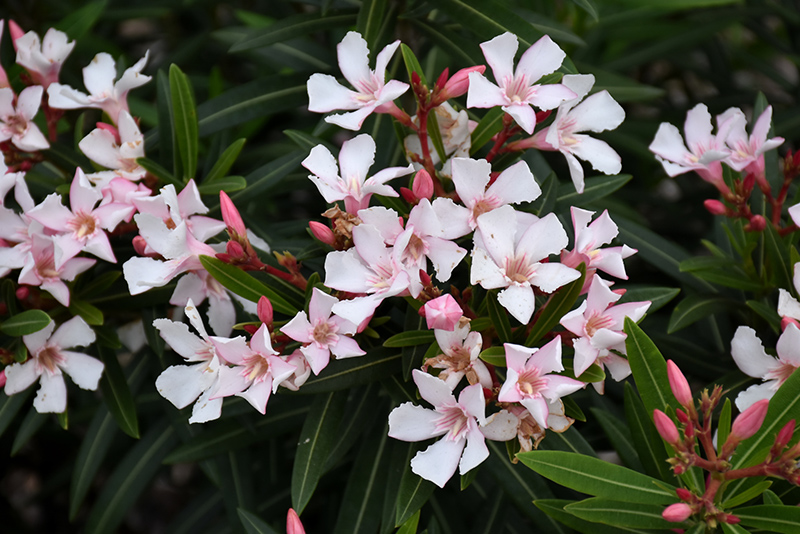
696 307
556 307
555 509
658 296
25 323
88 312
770 517
649 369
619 435
361 510
184 120
371 17
414 491
316 439
488 127
410 339
131 476
621 513
244 285
78 22
10 406
290 28
595 188
30 425
343 374
116 393
93 450
226 183
569 441
254 524
499 317
750 493
595 477
159 172
225 161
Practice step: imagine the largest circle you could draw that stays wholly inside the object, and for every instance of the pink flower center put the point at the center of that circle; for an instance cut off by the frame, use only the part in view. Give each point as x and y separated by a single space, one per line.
530 383
484 205
416 248
324 333
518 269
256 368
781 374
597 321
454 420
518 89
83 225
369 88
46 266
49 358
16 125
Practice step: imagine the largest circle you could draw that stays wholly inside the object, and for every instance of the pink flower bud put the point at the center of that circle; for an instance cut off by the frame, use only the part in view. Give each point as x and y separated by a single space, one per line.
786 321
684 494
235 250
264 310
676 513
140 245
749 182
15 31
442 80
293 524
231 216
784 436
757 224
679 386
408 195
22 292
715 207
322 232
666 428
749 421
2 378
682 417
443 313
458 84
423 185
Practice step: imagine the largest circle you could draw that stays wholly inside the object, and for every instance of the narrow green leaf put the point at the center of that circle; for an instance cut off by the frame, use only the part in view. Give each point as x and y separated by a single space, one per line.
621 513
410 339
254 524
734 529
744 496
116 393
555 509
158 171
773 518
658 296
184 120
619 435
649 369
370 18
595 188
10 406
696 307
30 425
361 506
595 477
499 317
547 200
92 452
412 64
410 526
414 491
360 412
767 312
778 255
78 22
130 478
770 497
488 127
435 135
556 307
588 6
225 161
289 28
343 374
270 175
720 271
569 441
25 323
244 285
463 51
724 422
89 313
593 373
99 284
494 355
227 184
316 440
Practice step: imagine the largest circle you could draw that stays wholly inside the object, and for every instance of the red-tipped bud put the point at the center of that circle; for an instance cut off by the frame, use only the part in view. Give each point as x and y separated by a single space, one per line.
415 78
749 421
293 524
22 292
748 183
666 427
425 278
679 386
2 378
542 116
110 129
264 310
423 185
682 417
729 519
322 232
231 216
784 436
15 31
786 321
443 78
459 83
235 250
408 195
442 313
757 224
684 494
140 245
715 207
677 513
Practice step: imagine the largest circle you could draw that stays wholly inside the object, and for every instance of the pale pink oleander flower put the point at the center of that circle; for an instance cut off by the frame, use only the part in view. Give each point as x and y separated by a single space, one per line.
197 286
117 153
752 359
322 333
517 91
462 446
597 113
510 255
371 90
459 357
42 59
531 381
50 359
40 269
351 185
788 307
748 152
705 151
16 122
598 325
104 92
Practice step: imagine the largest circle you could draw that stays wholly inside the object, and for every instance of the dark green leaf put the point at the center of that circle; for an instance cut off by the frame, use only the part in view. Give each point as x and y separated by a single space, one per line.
773 518
184 123
724 422
130 478
92 452
225 161
254 524
412 64
720 271
244 285
158 171
361 507
696 307
619 435
269 175
770 497
316 439
649 369
414 491
750 493
778 255
370 18
227 184
25 323
619 513
99 284
289 28
569 441
30 425
556 307
595 188
80 21
89 313
409 339
499 317
117 394
344 374
767 312
488 127
596 477
10 406
658 296
410 526
588 6
555 509
494 355
734 529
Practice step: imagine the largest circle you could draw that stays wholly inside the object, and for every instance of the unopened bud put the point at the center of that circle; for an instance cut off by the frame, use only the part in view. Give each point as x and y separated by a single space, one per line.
749 421
715 207
423 185
682 417
425 278
442 313
322 232
2 378
110 129
666 427
415 80
757 224
442 80
748 183
140 245
729 519
22 292
784 436
786 321
15 31
408 195
542 116
230 215
235 250
679 386
264 310
293 524
677 513
684 494
458 84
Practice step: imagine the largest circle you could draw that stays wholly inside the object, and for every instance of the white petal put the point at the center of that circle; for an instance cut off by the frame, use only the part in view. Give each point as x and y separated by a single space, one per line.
409 422
474 453
84 370
753 394
432 389
749 353
182 384
52 394
73 333
499 53
353 56
519 301
438 462
206 409
501 426
543 57
19 376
